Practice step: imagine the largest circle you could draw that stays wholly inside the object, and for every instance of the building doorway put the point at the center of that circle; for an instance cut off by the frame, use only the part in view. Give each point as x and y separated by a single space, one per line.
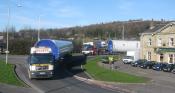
161 57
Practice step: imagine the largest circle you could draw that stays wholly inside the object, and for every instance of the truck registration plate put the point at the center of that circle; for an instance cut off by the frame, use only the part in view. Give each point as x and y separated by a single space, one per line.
42 73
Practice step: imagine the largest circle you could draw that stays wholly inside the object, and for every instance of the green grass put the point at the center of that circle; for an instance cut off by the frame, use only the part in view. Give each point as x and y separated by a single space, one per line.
7 74
100 73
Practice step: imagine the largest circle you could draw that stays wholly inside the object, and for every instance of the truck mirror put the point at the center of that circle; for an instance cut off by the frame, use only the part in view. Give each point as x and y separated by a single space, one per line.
28 59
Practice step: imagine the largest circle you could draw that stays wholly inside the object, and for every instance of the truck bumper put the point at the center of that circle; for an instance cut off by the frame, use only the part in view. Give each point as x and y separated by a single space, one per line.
41 74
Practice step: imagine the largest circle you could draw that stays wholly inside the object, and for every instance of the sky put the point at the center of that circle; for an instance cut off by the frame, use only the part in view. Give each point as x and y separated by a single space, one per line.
68 13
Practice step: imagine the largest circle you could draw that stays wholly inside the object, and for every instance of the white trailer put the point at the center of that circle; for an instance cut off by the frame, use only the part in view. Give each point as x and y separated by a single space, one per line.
132 48
123 45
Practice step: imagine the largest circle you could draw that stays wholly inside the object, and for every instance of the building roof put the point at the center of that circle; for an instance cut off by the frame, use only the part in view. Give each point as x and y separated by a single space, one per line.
159 27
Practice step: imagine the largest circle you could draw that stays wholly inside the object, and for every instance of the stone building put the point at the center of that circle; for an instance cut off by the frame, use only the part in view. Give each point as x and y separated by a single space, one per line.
158 44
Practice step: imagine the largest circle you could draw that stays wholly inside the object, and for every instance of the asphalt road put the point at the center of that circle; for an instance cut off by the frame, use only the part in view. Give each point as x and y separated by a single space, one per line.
61 83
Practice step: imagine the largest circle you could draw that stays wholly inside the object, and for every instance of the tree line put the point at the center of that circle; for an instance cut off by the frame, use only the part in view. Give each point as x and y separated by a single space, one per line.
21 41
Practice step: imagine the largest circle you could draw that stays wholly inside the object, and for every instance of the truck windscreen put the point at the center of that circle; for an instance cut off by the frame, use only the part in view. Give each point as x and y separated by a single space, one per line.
41 58
87 47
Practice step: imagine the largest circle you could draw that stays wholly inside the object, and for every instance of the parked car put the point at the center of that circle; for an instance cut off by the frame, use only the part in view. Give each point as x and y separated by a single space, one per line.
159 66
128 59
168 67
138 62
147 64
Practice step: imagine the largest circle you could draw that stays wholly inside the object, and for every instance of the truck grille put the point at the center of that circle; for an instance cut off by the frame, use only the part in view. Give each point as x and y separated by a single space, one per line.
42 67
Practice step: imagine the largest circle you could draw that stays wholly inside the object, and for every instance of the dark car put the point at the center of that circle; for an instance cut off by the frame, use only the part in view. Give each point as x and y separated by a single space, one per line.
147 64
138 62
159 66
173 71
168 67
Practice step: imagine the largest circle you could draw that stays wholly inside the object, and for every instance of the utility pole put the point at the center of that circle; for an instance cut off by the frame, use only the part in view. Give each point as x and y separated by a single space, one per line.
109 35
115 35
123 32
39 27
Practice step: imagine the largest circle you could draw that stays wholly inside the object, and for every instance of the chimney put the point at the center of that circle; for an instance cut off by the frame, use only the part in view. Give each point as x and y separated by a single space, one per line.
151 26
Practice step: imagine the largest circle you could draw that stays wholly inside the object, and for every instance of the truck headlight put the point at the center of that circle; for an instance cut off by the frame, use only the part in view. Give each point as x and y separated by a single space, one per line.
50 67
32 68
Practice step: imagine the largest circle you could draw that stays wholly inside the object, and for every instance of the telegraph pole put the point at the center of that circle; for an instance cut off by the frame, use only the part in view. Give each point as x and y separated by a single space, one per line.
39 27
123 32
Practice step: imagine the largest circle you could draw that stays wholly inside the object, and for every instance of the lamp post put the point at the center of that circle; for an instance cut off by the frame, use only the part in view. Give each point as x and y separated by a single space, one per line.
7 36
7 42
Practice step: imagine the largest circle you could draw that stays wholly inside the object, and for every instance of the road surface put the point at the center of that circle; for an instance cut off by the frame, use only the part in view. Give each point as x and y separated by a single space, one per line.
61 83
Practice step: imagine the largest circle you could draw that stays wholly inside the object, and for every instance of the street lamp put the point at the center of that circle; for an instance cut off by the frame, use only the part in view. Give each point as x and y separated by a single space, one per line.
7 42
8 23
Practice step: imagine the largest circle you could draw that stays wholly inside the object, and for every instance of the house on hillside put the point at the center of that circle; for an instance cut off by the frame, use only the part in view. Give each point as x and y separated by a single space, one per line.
158 44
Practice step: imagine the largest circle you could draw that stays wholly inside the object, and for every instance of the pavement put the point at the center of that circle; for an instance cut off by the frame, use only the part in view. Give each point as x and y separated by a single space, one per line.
161 82
63 82
4 88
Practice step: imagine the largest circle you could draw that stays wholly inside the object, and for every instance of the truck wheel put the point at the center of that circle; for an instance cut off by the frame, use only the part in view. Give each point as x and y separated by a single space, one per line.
147 67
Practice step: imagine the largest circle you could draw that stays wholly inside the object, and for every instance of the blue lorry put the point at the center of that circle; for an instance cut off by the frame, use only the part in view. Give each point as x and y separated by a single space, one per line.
44 55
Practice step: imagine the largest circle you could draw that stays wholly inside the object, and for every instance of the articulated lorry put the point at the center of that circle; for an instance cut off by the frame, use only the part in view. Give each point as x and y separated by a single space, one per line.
45 55
95 47
88 48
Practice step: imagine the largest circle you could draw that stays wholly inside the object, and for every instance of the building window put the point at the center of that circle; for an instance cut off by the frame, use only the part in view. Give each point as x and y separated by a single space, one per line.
159 42
149 56
171 42
161 57
149 42
171 58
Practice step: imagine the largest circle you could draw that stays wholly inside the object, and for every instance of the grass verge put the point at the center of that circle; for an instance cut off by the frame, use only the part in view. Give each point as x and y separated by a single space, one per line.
8 76
100 73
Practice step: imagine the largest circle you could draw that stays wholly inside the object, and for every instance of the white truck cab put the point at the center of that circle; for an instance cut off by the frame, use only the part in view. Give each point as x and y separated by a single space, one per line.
40 63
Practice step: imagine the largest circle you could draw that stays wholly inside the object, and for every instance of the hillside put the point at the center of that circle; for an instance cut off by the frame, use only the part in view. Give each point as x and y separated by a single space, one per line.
112 30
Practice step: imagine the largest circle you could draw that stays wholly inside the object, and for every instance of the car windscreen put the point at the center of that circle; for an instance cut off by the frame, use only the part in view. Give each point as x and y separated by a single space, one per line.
128 57
41 59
